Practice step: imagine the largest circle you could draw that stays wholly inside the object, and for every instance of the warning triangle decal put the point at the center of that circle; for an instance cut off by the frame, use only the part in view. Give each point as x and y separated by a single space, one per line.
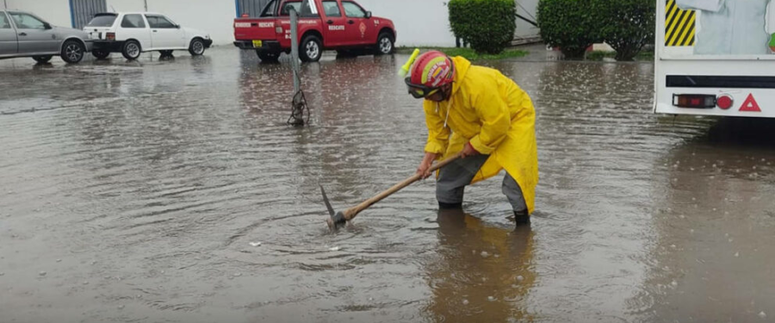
750 105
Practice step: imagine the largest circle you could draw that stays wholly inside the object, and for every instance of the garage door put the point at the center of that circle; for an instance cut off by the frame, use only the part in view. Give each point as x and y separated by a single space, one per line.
81 11
250 7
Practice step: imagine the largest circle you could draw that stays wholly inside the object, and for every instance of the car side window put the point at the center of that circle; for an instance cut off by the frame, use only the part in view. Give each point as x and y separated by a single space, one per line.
4 23
25 21
353 10
159 22
133 21
331 8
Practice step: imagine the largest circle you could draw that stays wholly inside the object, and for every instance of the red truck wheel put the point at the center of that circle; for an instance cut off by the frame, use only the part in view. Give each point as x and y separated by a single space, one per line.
311 49
384 44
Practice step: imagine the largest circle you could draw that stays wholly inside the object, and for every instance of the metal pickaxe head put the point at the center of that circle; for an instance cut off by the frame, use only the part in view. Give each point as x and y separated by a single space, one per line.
337 219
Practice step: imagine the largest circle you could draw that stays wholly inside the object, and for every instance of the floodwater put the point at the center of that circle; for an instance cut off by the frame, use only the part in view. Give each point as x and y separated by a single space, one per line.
173 191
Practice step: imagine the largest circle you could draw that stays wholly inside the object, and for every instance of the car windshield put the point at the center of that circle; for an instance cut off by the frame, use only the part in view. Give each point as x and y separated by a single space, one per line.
102 21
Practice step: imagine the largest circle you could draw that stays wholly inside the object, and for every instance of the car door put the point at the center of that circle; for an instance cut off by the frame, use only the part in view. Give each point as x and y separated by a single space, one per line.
35 36
358 29
335 25
134 26
8 42
164 33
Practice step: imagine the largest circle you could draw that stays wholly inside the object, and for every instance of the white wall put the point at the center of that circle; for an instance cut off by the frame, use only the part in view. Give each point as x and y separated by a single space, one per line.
527 9
418 22
55 12
426 22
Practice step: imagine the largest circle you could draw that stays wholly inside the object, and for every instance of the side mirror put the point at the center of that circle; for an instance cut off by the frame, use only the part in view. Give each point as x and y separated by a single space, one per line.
47 26
177 26
368 14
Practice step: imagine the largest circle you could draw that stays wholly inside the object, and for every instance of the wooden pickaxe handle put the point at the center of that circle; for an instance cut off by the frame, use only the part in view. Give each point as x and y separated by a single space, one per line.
352 212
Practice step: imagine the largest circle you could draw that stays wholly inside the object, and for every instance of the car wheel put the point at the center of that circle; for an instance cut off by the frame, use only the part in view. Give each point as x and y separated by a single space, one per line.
268 57
131 50
384 44
73 51
165 53
100 54
42 59
197 47
311 49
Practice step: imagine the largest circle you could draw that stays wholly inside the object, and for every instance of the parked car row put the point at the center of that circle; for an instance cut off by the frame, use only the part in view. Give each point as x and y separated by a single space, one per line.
24 34
341 25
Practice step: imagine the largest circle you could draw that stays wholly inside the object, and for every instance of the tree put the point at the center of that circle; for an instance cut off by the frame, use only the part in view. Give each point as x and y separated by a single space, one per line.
569 25
626 25
487 25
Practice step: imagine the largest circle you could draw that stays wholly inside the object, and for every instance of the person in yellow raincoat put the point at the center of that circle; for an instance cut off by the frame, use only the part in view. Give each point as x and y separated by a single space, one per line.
484 114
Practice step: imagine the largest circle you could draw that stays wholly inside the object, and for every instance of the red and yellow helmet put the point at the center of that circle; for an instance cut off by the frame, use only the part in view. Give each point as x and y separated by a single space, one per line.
430 72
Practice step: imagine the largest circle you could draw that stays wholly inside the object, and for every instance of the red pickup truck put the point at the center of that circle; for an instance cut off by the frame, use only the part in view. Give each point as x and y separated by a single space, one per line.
342 25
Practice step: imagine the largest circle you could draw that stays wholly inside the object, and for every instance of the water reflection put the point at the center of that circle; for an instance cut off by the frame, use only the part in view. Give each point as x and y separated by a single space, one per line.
713 259
482 273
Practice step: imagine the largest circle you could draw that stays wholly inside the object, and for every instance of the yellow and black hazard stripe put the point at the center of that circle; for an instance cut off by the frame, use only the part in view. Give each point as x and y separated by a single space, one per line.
679 25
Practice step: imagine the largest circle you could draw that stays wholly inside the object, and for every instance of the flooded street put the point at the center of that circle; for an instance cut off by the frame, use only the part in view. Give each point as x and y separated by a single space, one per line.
173 191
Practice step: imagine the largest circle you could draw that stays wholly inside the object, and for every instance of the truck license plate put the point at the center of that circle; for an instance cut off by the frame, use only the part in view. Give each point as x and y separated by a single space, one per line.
257 44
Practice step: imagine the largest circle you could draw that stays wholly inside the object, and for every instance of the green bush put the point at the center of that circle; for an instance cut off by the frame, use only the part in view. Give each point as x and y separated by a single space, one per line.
567 24
626 25
487 25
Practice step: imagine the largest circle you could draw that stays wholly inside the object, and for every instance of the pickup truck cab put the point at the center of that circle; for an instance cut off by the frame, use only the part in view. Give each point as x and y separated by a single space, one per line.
341 25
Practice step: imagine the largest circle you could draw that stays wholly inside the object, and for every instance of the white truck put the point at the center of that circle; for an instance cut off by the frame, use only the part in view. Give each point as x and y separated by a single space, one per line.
715 58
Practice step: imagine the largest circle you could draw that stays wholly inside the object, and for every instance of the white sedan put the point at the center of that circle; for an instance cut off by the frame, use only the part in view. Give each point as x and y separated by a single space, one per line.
131 33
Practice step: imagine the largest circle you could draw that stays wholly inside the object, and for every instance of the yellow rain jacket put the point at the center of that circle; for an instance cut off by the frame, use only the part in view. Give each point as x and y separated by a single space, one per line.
489 110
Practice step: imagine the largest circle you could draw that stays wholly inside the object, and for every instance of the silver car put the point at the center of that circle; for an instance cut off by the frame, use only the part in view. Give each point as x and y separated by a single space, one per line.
23 34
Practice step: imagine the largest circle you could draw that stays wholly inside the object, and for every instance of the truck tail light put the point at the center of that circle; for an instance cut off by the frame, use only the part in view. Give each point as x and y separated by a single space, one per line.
279 29
724 101
110 36
697 101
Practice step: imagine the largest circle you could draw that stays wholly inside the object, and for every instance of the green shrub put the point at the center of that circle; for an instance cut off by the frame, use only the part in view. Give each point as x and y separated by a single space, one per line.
567 24
487 25
626 25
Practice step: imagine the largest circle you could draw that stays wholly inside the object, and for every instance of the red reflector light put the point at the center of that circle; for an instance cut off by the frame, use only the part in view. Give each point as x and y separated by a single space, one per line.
110 36
697 101
724 102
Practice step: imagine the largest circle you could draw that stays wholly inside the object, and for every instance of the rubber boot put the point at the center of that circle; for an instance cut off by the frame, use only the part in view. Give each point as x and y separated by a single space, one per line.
522 218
